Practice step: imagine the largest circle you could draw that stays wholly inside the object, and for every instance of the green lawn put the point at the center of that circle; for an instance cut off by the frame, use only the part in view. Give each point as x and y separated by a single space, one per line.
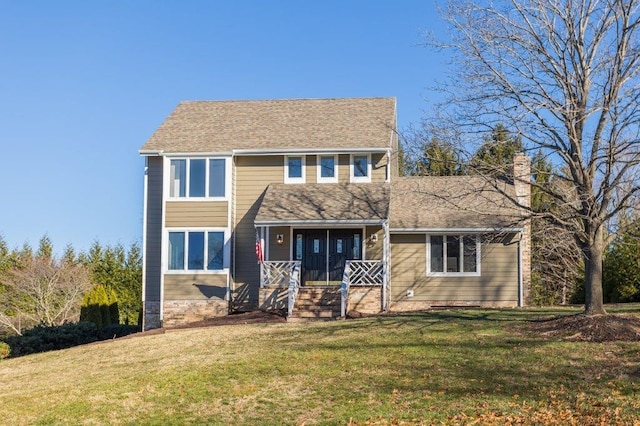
454 367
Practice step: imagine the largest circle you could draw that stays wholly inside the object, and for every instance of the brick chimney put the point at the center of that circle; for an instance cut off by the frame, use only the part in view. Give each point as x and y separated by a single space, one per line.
522 186
522 178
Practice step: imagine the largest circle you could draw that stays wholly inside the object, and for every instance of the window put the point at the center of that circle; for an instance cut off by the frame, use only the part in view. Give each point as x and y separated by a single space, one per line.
197 178
294 169
360 168
453 255
188 248
327 169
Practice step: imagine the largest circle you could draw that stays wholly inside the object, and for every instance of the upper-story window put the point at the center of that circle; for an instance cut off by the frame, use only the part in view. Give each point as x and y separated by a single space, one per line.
327 169
294 169
360 168
197 178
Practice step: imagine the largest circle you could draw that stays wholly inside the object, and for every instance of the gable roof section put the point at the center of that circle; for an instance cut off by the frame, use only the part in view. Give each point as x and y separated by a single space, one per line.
293 124
322 203
452 202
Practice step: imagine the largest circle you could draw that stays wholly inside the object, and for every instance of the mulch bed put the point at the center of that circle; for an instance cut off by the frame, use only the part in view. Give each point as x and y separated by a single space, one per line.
592 328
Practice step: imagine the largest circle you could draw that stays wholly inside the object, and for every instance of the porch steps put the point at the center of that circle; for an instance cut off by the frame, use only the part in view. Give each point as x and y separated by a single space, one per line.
317 303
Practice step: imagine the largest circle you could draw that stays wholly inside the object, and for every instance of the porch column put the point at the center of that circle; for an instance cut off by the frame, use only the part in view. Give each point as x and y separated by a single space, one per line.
386 265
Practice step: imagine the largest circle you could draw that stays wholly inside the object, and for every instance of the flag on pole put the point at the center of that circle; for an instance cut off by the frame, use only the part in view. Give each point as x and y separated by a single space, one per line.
258 247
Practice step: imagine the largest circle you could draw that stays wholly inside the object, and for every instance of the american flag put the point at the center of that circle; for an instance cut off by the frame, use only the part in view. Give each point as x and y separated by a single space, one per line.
258 248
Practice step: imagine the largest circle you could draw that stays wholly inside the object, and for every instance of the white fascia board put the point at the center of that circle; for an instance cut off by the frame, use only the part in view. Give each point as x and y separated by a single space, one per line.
149 152
452 230
307 151
319 222
197 154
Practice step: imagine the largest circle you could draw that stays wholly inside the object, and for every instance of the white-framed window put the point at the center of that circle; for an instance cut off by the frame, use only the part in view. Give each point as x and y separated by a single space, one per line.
453 255
327 168
197 250
360 167
198 178
294 169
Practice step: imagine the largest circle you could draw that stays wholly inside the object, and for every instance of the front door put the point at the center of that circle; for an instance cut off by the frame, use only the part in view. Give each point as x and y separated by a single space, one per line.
323 253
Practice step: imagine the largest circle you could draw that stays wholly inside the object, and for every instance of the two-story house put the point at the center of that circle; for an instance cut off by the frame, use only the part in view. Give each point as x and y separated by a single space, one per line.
297 205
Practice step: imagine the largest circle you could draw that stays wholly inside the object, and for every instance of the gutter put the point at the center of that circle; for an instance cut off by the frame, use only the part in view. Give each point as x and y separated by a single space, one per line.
452 230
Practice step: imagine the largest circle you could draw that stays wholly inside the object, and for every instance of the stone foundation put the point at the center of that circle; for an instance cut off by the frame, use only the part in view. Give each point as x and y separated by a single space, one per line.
179 312
273 298
365 299
151 316
408 306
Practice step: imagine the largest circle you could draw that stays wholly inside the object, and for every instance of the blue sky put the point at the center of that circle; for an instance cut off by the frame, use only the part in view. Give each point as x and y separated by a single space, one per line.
83 84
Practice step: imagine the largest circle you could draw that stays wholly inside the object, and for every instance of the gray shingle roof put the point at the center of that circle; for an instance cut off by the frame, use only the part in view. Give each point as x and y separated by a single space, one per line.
223 126
284 203
447 202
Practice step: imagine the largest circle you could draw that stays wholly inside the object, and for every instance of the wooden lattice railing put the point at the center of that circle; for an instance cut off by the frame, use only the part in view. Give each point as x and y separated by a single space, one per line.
277 273
360 272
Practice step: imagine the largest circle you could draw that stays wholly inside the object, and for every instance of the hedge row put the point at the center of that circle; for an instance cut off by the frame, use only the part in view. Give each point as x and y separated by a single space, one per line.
43 339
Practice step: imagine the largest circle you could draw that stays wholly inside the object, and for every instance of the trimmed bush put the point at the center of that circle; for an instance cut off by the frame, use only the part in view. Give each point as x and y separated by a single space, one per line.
43 339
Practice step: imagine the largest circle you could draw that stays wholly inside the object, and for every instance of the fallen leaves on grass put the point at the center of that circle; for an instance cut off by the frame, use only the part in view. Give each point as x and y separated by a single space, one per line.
590 328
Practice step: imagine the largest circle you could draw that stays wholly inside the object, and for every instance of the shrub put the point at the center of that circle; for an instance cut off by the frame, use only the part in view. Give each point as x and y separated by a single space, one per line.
5 350
43 339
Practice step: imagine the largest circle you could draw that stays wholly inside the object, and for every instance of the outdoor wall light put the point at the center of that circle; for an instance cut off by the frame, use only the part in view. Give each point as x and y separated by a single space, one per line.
373 238
280 238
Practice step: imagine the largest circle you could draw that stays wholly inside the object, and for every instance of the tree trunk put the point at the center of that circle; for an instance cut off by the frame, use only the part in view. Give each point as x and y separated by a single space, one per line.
593 301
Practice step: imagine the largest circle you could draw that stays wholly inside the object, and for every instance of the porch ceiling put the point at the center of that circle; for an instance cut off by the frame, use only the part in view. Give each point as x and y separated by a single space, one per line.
324 203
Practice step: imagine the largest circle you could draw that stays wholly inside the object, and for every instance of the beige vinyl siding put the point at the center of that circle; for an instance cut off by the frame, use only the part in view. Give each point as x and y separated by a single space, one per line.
498 281
253 175
153 243
344 172
374 250
279 251
378 168
181 214
312 169
194 286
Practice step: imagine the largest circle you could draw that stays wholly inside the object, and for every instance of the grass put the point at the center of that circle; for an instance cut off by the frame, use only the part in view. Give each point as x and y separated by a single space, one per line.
452 367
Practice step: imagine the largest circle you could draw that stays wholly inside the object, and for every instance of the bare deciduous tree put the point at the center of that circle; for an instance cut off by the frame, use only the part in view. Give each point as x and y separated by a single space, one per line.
42 291
565 75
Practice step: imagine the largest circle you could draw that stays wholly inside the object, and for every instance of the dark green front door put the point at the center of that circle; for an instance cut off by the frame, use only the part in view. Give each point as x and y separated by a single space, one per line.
323 253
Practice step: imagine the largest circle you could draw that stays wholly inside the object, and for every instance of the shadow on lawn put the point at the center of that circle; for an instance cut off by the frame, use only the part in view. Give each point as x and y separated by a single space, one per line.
466 354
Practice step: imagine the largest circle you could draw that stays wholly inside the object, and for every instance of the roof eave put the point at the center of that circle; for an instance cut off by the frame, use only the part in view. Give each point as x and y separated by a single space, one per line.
315 222
454 230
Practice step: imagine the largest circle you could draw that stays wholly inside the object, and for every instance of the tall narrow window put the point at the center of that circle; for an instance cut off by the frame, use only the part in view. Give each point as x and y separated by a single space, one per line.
453 254
216 178
176 250
197 172
196 250
178 178
470 254
215 250
437 251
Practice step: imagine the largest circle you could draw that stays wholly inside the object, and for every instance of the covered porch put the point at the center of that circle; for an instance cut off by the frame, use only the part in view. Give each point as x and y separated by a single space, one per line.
332 248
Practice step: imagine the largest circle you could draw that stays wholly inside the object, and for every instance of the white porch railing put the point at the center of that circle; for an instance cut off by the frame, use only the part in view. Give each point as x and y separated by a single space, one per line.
360 272
294 286
274 273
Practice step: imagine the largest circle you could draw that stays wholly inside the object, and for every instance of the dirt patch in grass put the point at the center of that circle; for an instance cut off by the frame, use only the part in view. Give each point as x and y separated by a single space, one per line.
253 317
593 328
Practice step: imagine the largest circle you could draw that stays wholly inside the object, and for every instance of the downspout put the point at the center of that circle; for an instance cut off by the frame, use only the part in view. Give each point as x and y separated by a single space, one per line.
520 283
386 256
145 190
